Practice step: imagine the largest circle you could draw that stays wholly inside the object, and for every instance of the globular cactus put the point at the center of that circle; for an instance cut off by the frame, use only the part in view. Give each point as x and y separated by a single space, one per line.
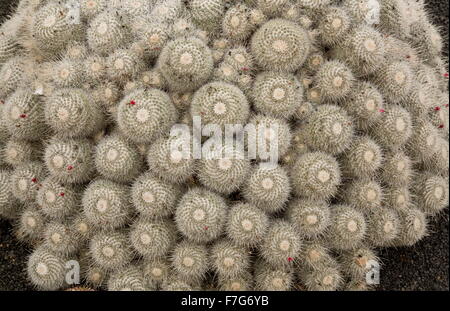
224 170
153 78
25 181
357 286
277 94
315 256
190 261
90 8
363 158
334 25
57 201
226 73
4 133
76 50
398 50
184 27
314 4
281 244
438 162
107 94
60 239
153 197
267 188
17 152
106 33
383 227
246 224
66 73
237 24
397 197
334 80
269 278
363 194
431 193
310 217
154 37
242 282
46 269
207 14
30 225
299 146
12 73
156 271
123 64
9 205
117 159
365 105
417 101
347 229
220 103
144 114
359 10
357 263
290 11
167 11
110 249
394 128
94 68
271 7
426 39
199 215
315 175
129 279
280 45
176 285
393 18
186 64
328 278
153 239
395 80
240 59
70 160
228 260
314 94
397 169
440 117
72 113
96 276
84 230
106 204
23 115
52 28
271 137
424 140
413 227
8 47
329 129
171 165
364 50
314 61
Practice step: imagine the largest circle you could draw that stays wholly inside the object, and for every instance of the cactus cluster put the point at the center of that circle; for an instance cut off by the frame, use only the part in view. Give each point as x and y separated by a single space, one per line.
89 96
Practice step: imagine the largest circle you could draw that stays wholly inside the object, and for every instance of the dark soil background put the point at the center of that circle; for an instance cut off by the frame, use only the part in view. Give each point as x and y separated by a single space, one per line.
422 267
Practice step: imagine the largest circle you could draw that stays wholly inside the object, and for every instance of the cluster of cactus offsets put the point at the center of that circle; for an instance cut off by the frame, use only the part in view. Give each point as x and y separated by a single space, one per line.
89 97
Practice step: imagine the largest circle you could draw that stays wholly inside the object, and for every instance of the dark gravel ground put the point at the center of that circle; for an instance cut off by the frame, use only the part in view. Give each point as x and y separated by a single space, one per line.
422 267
